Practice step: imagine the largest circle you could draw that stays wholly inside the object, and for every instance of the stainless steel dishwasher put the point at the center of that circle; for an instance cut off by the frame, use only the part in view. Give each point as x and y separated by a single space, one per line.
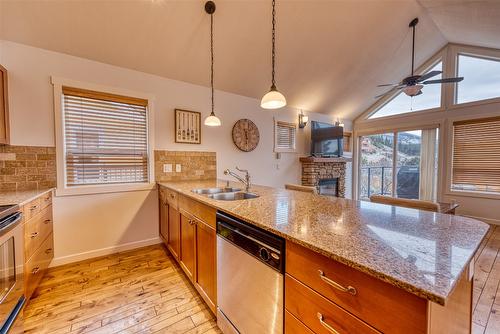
250 266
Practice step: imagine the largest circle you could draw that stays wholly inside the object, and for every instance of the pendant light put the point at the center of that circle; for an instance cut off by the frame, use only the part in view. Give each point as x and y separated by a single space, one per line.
211 120
273 99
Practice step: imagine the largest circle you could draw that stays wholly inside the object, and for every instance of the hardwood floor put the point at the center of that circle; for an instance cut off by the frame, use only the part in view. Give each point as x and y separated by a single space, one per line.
145 291
486 297
139 291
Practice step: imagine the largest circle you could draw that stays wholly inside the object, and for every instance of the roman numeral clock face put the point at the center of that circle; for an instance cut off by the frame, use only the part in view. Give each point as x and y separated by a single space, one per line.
245 135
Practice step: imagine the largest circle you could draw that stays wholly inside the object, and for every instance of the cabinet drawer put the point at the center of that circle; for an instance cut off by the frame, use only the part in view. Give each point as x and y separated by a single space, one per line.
372 300
46 200
294 326
36 231
30 209
172 198
198 210
318 313
38 264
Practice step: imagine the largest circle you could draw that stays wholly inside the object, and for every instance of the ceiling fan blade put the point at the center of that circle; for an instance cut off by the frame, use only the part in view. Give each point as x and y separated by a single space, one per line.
389 85
429 75
446 80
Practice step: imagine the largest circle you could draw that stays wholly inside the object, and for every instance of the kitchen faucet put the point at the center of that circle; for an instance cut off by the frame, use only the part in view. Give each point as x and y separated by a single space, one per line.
245 181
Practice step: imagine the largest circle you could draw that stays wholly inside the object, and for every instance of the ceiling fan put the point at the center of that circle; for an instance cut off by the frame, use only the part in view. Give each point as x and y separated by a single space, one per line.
412 85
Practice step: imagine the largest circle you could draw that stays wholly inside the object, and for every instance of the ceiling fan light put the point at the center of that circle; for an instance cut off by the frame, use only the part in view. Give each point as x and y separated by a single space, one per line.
413 90
273 100
212 120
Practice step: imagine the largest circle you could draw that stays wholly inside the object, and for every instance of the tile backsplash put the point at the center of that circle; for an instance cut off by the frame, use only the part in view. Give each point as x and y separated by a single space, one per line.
194 165
27 167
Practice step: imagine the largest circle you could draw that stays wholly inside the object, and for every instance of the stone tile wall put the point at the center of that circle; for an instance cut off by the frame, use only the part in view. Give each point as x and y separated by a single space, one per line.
194 165
27 167
312 172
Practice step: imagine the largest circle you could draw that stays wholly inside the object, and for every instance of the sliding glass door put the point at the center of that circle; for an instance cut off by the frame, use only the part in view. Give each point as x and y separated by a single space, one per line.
400 164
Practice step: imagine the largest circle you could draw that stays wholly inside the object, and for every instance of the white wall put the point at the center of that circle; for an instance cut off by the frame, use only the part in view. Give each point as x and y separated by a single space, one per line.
103 223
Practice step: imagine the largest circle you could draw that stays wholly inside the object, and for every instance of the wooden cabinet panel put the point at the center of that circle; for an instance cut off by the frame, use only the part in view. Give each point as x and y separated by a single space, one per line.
294 326
374 299
4 107
188 244
206 272
197 209
36 231
318 313
164 221
38 264
174 232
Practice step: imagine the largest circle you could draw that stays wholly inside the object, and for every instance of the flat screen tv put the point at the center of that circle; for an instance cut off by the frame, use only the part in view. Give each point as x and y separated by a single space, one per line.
326 139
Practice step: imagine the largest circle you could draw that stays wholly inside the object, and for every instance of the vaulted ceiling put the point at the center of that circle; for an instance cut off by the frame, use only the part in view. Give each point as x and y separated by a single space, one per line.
331 54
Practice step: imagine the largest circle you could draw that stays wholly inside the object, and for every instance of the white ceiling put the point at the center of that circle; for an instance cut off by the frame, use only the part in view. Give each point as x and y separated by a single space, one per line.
330 54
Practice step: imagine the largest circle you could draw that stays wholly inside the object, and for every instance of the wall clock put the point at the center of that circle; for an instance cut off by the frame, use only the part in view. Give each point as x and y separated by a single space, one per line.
245 135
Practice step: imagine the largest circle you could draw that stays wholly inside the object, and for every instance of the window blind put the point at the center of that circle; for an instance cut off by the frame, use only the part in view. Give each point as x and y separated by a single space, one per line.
285 136
106 138
476 155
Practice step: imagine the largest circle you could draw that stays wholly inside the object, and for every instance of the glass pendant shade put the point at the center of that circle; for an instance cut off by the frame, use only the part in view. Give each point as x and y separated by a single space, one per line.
273 100
413 90
212 120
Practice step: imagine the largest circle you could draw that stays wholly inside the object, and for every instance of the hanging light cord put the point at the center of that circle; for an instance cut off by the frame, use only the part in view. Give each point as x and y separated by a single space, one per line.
212 59
273 56
413 52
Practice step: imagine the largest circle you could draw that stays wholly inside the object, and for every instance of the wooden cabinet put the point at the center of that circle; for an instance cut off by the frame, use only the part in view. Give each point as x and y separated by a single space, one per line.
188 246
206 273
4 107
163 206
323 294
191 238
39 241
174 232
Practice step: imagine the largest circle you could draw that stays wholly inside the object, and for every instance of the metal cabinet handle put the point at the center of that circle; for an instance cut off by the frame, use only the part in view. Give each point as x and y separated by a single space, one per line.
46 221
172 196
34 235
35 270
48 251
33 207
324 324
349 289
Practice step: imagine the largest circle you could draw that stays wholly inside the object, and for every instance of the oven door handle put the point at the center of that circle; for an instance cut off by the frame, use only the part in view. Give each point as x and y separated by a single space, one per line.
13 315
10 221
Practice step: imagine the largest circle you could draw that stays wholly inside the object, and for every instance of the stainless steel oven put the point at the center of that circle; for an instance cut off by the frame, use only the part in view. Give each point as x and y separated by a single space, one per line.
11 270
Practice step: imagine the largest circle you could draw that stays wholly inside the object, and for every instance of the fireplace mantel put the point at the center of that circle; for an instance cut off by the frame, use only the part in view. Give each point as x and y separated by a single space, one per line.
317 159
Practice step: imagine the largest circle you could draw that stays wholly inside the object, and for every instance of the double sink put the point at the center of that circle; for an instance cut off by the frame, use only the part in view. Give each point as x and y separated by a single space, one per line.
225 193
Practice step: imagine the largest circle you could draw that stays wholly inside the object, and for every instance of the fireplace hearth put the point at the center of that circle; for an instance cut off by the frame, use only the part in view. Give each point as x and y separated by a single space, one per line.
327 174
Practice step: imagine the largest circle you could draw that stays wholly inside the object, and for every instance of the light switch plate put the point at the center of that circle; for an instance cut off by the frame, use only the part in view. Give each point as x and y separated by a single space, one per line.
167 168
178 168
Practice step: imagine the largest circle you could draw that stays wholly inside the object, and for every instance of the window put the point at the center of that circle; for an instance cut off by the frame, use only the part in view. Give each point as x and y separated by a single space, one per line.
284 136
481 78
412 154
476 155
105 138
402 103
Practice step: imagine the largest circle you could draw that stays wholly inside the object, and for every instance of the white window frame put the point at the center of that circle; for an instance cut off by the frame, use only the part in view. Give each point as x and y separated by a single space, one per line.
472 51
280 149
62 189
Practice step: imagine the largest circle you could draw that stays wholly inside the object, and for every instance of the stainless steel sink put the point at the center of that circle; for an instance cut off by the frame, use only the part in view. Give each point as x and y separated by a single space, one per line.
233 196
208 191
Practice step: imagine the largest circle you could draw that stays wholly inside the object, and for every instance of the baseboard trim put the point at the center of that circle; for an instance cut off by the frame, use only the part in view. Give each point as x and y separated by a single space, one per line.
59 261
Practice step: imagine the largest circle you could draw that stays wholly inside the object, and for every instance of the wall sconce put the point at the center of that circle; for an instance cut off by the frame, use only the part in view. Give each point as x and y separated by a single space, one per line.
303 120
339 123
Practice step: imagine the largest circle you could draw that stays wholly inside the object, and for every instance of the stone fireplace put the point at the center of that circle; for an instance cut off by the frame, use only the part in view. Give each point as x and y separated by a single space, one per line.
327 174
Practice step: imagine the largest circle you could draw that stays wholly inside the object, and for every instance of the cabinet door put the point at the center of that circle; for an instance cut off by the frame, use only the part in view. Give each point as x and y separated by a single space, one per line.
4 107
174 232
188 235
164 221
206 263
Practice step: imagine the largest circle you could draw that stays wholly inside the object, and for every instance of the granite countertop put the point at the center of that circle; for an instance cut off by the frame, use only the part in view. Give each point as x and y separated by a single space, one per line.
21 197
419 251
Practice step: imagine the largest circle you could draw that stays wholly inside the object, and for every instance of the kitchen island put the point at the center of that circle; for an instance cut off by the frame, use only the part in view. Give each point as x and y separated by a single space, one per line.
412 267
